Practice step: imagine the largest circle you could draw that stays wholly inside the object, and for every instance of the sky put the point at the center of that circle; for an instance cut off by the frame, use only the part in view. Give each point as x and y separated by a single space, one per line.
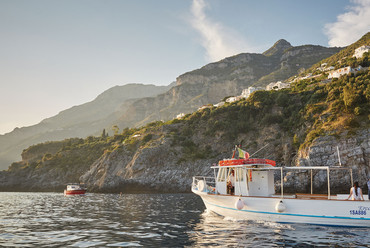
58 54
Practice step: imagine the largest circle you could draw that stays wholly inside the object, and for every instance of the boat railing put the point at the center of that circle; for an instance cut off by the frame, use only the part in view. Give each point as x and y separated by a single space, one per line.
204 184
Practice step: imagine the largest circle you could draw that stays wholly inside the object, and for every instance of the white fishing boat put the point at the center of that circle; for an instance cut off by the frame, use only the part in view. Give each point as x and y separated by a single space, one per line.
75 189
254 196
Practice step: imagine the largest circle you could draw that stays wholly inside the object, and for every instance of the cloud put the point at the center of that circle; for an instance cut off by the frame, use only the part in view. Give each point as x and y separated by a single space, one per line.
218 40
351 25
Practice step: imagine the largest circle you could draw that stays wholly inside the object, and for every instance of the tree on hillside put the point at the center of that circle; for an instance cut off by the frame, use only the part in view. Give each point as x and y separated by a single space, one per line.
115 129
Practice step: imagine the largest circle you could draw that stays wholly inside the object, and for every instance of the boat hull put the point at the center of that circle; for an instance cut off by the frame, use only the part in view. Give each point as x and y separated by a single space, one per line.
320 212
74 192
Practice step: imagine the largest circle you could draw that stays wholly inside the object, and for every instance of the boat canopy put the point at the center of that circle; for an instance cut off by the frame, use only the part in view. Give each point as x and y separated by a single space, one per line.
253 166
267 167
263 170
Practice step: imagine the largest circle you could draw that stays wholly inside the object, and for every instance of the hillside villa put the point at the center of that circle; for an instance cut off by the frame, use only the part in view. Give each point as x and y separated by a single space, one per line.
359 52
343 71
277 86
324 67
233 99
219 104
246 92
179 116
204 107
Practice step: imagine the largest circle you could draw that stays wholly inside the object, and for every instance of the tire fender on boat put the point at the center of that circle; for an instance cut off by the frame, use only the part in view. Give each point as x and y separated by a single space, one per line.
239 204
201 185
280 207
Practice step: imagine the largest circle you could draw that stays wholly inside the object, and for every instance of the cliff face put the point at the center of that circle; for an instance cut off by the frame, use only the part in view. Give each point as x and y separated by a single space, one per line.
148 169
354 152
157 168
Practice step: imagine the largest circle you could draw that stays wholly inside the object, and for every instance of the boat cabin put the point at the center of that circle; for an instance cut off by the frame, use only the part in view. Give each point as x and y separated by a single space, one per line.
74 186
251 178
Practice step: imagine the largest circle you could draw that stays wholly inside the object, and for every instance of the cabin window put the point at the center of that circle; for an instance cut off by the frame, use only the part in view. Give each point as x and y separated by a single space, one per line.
239 175
221 175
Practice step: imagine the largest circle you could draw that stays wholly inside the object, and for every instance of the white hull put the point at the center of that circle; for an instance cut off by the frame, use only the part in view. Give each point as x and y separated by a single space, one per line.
321 212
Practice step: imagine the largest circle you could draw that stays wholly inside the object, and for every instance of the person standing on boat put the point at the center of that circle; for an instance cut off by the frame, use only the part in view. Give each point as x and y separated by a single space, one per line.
368 188
231 183
356 193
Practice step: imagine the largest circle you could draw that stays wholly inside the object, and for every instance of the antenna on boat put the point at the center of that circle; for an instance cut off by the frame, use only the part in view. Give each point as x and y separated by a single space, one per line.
258 150
340 163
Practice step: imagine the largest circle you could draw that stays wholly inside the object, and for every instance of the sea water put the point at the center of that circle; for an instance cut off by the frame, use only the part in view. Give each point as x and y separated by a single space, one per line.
149 220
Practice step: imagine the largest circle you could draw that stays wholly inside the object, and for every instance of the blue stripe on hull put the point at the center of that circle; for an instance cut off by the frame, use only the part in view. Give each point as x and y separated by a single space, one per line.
287 214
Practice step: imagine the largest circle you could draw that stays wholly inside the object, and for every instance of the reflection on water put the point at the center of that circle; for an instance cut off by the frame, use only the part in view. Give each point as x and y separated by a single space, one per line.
148 220
214 230
51 219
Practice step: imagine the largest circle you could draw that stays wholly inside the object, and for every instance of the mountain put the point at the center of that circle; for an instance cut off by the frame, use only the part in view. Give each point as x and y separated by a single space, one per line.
135 105
228 77
79 121
303 125
278 48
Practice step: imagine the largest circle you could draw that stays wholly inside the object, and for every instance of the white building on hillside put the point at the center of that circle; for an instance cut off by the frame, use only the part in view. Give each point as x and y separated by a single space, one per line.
231 99
219 104
340 72
246 92
179 116
329 68
204 107
277 86
359 52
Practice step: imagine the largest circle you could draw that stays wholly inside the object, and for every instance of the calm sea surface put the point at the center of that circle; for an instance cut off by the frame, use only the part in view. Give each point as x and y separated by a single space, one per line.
148 220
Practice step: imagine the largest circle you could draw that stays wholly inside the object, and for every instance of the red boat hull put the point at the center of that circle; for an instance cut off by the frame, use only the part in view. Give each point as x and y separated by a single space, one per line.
74 192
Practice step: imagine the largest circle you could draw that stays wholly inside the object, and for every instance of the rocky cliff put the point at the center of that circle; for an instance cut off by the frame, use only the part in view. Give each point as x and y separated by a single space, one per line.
157 168
354 152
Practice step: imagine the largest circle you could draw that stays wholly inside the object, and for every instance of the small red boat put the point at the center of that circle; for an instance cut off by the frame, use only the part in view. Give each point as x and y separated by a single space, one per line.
75 189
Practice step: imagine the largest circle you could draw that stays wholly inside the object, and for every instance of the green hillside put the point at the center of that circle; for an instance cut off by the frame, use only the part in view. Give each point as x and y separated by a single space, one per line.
304 112
296 59
345 57
289 120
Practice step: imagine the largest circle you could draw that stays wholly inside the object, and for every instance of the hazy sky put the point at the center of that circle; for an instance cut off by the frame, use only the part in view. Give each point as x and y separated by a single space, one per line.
57 54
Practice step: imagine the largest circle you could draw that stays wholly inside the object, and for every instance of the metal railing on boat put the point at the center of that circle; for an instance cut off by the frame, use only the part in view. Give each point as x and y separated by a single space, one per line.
282 169
209 183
